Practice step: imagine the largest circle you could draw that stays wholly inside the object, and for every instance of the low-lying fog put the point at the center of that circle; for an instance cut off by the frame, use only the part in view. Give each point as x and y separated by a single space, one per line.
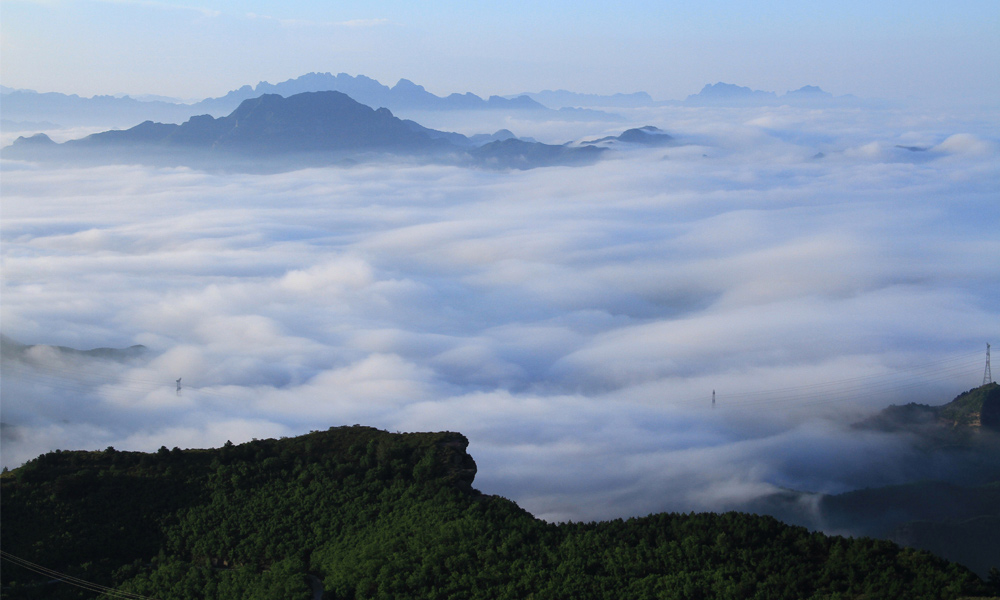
572 322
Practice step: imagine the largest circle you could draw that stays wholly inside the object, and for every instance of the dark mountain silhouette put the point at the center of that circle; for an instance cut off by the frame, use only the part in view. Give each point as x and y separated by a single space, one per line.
273 132
644 136
518 154
27 106
270 124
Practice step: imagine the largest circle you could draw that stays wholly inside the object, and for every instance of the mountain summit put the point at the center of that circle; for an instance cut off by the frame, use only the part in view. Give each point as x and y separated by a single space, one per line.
271 124
308 129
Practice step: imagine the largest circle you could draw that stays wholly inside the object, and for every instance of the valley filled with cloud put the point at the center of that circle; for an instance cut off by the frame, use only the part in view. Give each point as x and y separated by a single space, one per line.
809 266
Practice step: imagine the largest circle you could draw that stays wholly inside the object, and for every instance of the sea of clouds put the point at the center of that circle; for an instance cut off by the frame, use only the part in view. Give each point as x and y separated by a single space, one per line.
571 322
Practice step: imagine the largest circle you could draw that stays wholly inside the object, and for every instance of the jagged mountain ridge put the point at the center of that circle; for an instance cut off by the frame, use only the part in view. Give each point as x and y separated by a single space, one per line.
25 107
21 106
404 95
272 124
728 94
311 128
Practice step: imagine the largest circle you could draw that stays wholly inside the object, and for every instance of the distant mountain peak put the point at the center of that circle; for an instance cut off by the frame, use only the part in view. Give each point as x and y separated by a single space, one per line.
407 85
39 139
731 89
810 91
306 129
725 92
728 94
647 135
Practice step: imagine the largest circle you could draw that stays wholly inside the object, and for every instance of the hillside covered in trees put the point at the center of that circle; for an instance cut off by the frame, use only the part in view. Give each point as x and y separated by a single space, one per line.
355 512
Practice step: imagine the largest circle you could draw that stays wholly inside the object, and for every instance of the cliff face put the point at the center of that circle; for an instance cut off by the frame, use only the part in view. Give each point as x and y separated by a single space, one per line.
458 464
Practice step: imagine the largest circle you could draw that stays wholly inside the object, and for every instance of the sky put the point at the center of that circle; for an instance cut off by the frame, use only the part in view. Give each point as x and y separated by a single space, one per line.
938 52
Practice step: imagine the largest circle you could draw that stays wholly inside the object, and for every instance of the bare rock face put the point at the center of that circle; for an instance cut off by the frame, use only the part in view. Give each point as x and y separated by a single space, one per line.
458 463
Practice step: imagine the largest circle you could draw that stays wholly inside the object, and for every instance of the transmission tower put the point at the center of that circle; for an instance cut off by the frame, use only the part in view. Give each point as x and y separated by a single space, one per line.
987 376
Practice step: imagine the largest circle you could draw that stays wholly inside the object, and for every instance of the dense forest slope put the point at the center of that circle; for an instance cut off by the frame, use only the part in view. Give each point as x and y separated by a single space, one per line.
949 424
354 512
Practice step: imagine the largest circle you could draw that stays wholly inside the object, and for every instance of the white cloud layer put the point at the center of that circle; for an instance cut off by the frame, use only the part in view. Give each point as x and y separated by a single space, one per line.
572 322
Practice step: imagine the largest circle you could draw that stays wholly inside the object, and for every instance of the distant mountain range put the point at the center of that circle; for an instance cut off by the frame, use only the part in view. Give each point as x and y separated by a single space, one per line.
23 108
71 110
727 94
643 136
566 99
404 95
12 349
272 132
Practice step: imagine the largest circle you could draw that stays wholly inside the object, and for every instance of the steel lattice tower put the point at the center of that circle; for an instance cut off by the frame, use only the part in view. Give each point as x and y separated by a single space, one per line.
987 375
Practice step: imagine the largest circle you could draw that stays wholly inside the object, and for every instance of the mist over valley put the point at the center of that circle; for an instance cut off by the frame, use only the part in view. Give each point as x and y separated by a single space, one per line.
628 307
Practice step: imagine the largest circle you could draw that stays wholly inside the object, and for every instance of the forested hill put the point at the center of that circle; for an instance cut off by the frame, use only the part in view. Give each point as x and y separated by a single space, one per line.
354 512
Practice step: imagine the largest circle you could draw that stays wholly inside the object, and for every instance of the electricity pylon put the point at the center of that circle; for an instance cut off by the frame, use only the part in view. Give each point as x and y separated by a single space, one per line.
987 376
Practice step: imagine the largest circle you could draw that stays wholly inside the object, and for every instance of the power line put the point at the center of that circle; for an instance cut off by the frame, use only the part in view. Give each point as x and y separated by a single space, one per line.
74 581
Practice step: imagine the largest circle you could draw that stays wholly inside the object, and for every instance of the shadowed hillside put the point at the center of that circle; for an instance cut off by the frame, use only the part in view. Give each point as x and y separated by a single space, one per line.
363 513
957 518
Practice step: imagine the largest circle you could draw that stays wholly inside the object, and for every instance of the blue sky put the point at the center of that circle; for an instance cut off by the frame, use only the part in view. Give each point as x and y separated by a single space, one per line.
934 50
